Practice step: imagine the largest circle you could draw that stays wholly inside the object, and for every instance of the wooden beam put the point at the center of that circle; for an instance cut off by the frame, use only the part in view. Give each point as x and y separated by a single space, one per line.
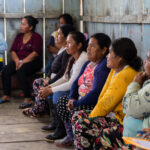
137 19
21 15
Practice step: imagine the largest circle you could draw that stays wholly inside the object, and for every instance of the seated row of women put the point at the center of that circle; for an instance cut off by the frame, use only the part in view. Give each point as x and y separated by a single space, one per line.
86 103
100 97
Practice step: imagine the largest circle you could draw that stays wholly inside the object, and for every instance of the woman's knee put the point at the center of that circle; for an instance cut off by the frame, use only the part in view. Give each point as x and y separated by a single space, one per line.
57 95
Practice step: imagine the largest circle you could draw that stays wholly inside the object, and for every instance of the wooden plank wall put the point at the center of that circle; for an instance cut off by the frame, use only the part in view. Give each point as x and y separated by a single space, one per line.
120 18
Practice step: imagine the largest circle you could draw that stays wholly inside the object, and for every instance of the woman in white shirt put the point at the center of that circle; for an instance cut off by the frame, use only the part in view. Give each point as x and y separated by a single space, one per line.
76 46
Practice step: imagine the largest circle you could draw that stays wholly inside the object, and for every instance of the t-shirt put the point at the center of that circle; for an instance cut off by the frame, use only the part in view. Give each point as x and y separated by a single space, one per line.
85 81
23 50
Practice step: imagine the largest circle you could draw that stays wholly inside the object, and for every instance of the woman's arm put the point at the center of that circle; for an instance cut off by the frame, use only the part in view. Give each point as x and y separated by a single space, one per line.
14 56
63 58
30 57
76 70
59 82
136 102
113 92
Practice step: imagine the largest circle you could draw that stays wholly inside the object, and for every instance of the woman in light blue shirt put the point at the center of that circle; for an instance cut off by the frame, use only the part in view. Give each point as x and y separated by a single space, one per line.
3 44
3 47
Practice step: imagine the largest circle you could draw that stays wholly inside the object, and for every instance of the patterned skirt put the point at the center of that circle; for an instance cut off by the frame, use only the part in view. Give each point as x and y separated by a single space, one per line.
99 133
41 105
63 112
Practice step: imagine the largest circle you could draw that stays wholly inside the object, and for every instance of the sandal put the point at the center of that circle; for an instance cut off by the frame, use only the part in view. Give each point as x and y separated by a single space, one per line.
25 105
4 101
29 113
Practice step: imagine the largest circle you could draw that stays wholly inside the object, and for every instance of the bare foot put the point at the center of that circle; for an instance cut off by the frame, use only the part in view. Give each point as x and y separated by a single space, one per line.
6 98
25 109
28 101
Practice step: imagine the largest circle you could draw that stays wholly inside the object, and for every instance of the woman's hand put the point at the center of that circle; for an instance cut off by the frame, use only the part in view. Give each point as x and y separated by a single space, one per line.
46 81
45 92
147 130
70 105
146 133
140 78
20 64
17 64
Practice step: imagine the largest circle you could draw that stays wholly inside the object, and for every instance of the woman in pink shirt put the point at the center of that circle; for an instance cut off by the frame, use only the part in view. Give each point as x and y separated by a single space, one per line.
26 53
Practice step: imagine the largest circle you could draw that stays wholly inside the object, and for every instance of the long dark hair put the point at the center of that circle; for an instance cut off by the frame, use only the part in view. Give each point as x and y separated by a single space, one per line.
103 41
31 22
125 48
78 38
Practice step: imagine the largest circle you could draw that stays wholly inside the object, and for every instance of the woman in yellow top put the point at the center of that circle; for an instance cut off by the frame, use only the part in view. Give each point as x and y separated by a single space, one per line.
102 128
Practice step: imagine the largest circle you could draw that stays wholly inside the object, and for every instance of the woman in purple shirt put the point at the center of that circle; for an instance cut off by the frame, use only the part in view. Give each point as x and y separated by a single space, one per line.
26 53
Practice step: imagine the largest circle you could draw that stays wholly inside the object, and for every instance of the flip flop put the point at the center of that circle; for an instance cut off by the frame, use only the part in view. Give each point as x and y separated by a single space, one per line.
25 105
4 101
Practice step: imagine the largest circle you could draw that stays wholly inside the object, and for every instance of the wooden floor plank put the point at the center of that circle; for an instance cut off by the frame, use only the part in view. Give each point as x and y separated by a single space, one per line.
18 132
40 145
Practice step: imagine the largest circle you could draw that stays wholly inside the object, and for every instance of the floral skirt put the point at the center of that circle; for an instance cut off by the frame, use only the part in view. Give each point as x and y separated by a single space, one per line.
99 133
41 105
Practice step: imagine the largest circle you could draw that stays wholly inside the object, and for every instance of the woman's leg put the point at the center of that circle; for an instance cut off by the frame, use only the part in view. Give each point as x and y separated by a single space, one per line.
24 72
7 72
64 115
40 105
37 84
60 129
96 133
59 94
77 128
129 124
39 108
111 136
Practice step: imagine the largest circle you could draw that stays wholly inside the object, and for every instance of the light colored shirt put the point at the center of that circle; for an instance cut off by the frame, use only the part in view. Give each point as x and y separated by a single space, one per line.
64 83
136 102
3 45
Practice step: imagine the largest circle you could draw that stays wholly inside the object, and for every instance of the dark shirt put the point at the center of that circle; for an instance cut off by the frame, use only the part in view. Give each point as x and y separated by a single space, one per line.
23 50
100 75
59 66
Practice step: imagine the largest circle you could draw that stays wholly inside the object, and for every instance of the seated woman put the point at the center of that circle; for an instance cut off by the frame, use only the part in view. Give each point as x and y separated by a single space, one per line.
102 128
76 46
52 46
86 88
26 53
136 103
3 47
56 71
